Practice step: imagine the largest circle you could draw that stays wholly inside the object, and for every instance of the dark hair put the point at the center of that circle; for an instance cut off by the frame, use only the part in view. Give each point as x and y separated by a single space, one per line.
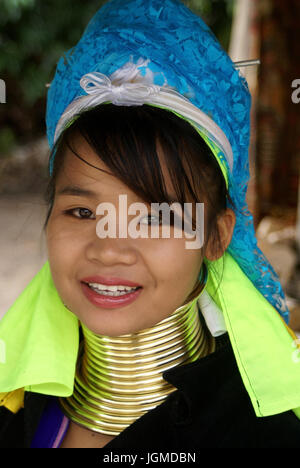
126 139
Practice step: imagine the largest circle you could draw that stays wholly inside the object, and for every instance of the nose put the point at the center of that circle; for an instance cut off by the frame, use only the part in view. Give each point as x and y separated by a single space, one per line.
111 251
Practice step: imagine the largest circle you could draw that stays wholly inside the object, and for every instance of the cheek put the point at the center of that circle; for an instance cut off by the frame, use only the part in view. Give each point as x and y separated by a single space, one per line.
177 271
176 267
64 246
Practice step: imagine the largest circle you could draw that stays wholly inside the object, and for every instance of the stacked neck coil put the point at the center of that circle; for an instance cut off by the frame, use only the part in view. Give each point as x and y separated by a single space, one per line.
118 379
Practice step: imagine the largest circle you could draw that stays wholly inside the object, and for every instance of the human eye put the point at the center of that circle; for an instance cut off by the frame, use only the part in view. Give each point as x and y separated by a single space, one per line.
80 213
150 220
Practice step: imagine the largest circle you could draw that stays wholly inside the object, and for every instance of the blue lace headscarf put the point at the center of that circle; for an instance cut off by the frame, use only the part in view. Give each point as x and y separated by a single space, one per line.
185 55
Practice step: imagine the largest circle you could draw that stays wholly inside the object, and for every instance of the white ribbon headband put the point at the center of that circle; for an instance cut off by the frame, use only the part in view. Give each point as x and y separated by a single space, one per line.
126 87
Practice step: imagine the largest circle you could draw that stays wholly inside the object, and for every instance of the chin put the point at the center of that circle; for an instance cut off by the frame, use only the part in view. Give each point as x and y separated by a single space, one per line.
112 329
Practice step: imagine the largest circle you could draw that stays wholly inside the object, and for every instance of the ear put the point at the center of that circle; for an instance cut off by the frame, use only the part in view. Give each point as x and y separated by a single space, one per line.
225 226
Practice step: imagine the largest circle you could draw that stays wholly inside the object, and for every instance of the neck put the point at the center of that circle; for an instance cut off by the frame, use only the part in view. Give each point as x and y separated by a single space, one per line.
118 379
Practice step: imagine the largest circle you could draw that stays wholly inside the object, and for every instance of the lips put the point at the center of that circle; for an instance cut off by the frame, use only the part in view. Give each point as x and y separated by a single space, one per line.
110 302
110 281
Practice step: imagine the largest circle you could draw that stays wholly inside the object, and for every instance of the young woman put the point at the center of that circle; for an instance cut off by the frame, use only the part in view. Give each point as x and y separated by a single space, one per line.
155 323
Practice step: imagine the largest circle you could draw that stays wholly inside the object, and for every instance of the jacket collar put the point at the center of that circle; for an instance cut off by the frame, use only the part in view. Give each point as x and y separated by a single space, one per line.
189 378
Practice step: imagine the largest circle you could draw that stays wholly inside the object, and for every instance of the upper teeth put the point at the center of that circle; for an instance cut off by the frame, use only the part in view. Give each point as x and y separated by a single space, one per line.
104 287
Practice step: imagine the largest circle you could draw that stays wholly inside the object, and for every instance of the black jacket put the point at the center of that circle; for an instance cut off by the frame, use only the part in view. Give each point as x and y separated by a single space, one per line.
209 409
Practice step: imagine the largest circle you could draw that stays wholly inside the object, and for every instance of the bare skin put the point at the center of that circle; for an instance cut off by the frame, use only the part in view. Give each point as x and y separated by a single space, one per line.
80 437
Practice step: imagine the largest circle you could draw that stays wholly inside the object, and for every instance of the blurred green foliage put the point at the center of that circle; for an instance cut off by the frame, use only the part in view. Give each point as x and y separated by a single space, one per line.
217 14
33 36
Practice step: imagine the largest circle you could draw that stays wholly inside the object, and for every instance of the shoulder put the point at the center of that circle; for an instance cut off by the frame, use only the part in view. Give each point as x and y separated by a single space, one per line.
278 431
20 412
13 401
209 409
11 418
222 411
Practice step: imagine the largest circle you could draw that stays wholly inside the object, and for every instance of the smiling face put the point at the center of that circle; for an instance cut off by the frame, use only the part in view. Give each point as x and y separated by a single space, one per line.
164 269
145 155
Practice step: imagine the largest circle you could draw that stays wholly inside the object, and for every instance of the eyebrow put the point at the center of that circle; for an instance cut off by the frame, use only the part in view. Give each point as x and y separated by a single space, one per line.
74 190
77 191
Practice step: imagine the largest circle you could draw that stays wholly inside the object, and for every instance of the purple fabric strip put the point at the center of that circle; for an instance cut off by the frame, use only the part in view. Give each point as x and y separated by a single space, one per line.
61 433
51 428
